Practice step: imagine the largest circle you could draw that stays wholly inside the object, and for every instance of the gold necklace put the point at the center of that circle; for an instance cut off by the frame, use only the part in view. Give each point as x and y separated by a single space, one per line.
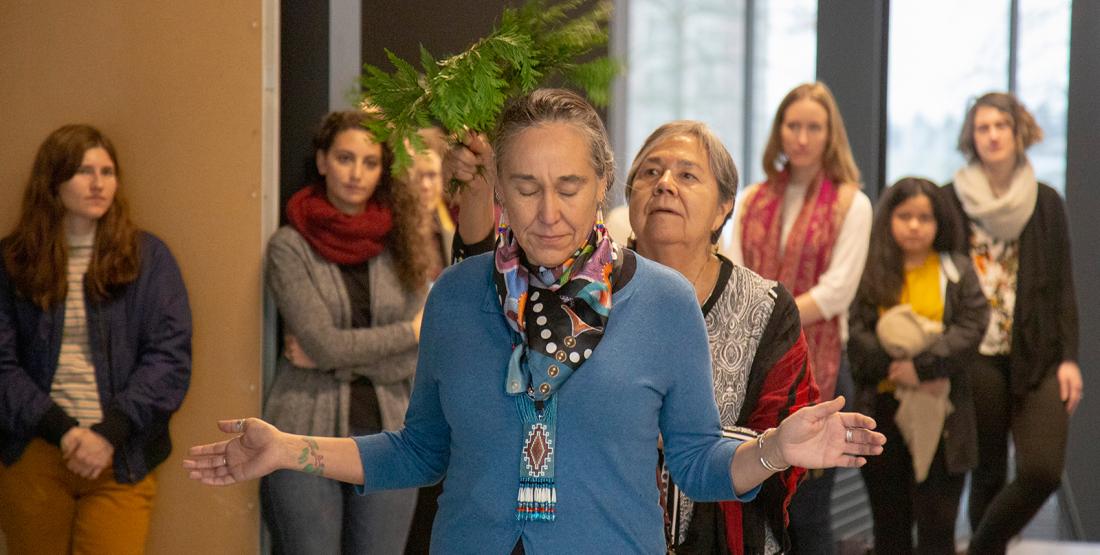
695 282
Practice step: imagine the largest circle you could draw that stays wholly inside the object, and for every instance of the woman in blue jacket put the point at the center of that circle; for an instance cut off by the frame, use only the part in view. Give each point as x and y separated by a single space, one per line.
95 356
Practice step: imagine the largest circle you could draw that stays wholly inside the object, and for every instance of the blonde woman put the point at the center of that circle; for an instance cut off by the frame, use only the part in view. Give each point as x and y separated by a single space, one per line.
807 227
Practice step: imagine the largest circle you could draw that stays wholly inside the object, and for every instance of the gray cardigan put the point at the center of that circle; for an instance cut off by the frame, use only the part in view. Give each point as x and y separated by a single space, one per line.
313 302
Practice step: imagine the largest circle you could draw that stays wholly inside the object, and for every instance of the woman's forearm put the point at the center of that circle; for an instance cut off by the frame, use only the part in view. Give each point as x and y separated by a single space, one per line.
330 457
476 212
747 470
808 310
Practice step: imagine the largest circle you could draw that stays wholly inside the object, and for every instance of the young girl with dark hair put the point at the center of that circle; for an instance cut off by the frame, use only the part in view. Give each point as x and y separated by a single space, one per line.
916 321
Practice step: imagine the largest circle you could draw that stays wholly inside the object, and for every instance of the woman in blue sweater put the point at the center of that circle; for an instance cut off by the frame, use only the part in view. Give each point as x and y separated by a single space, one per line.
547 370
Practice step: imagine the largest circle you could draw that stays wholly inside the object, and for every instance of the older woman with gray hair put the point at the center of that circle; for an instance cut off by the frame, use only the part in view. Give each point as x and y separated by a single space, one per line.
680 190
547 370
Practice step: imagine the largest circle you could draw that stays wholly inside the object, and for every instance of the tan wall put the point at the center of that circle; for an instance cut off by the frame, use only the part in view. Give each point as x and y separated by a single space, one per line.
177 86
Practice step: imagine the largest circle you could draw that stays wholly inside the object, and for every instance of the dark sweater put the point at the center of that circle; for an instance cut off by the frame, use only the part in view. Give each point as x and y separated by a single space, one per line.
1044 323
965 317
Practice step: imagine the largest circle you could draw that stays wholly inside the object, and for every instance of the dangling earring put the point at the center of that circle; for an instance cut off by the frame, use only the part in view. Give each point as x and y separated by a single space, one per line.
599 221
502 223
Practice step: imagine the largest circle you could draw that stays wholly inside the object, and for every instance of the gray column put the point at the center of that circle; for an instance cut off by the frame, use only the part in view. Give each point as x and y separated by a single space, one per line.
1083 204
852 40
344 46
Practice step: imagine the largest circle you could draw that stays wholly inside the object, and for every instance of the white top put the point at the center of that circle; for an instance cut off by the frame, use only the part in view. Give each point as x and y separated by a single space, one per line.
837 286
996 261
74 387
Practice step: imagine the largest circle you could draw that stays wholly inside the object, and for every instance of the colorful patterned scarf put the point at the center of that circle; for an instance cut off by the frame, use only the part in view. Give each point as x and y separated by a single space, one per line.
806 256
557 316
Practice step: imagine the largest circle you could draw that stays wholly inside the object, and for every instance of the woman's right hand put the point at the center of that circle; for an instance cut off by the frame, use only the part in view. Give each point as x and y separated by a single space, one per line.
902 372
293 352
473 164
468 162
256 450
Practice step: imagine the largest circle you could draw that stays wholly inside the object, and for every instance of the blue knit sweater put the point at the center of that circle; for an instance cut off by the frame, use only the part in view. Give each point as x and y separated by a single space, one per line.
650 373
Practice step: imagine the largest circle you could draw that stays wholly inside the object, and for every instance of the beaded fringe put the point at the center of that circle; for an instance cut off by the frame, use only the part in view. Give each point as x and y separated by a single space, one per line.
537 499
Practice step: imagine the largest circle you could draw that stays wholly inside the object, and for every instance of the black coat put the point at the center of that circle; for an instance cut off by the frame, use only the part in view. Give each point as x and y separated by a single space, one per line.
965 317
1044 322
140 340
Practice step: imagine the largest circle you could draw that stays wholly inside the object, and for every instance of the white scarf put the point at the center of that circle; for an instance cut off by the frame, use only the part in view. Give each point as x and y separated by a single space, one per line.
1003 217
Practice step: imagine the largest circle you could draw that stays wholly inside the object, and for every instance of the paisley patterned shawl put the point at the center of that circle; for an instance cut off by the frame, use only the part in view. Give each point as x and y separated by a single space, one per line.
805 257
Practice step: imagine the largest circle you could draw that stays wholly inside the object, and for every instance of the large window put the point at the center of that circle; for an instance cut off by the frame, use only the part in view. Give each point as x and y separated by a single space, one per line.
785 56
1042 81
702 59
943 54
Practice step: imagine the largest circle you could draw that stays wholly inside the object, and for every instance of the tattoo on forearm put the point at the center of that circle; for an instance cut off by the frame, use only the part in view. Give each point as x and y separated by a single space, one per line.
312 458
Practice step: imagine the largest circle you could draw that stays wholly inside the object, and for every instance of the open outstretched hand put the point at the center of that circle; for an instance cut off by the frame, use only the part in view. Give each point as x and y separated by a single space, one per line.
821 436
252 452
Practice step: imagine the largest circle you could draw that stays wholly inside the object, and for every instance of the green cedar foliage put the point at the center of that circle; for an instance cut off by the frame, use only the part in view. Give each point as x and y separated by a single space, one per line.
466 92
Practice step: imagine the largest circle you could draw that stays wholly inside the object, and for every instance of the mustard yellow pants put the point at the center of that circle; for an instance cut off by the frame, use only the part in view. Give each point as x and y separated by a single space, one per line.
46 509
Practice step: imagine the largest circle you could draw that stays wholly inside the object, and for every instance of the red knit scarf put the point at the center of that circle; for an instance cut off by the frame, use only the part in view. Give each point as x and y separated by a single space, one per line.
339 238
806 256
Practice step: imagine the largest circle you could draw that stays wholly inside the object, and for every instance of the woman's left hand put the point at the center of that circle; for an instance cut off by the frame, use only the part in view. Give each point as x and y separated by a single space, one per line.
823 437
1070 385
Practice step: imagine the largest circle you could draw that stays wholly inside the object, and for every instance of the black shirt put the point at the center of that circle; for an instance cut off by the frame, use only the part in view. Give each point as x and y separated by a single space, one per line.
364 414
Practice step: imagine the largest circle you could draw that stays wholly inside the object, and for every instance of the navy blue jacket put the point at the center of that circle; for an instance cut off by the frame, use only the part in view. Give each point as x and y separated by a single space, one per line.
140 340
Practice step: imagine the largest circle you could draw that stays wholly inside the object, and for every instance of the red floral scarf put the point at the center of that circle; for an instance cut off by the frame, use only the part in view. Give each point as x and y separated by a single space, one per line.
806 256
338 237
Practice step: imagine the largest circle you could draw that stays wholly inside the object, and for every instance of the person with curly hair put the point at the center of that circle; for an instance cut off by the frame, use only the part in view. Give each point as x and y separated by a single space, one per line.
348 275
1027 376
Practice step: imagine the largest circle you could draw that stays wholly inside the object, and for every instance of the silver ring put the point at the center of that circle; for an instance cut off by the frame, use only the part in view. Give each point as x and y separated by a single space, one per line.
848 435
240 425
225 461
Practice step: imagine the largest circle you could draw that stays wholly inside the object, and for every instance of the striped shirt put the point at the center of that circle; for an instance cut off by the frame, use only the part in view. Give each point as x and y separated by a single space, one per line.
74 384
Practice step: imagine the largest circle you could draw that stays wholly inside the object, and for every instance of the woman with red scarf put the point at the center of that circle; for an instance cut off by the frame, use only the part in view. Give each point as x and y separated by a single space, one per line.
807 226
348 275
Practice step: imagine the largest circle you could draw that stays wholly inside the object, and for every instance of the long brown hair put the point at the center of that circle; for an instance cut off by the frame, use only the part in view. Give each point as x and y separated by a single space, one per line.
837 161
36 253
405 240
